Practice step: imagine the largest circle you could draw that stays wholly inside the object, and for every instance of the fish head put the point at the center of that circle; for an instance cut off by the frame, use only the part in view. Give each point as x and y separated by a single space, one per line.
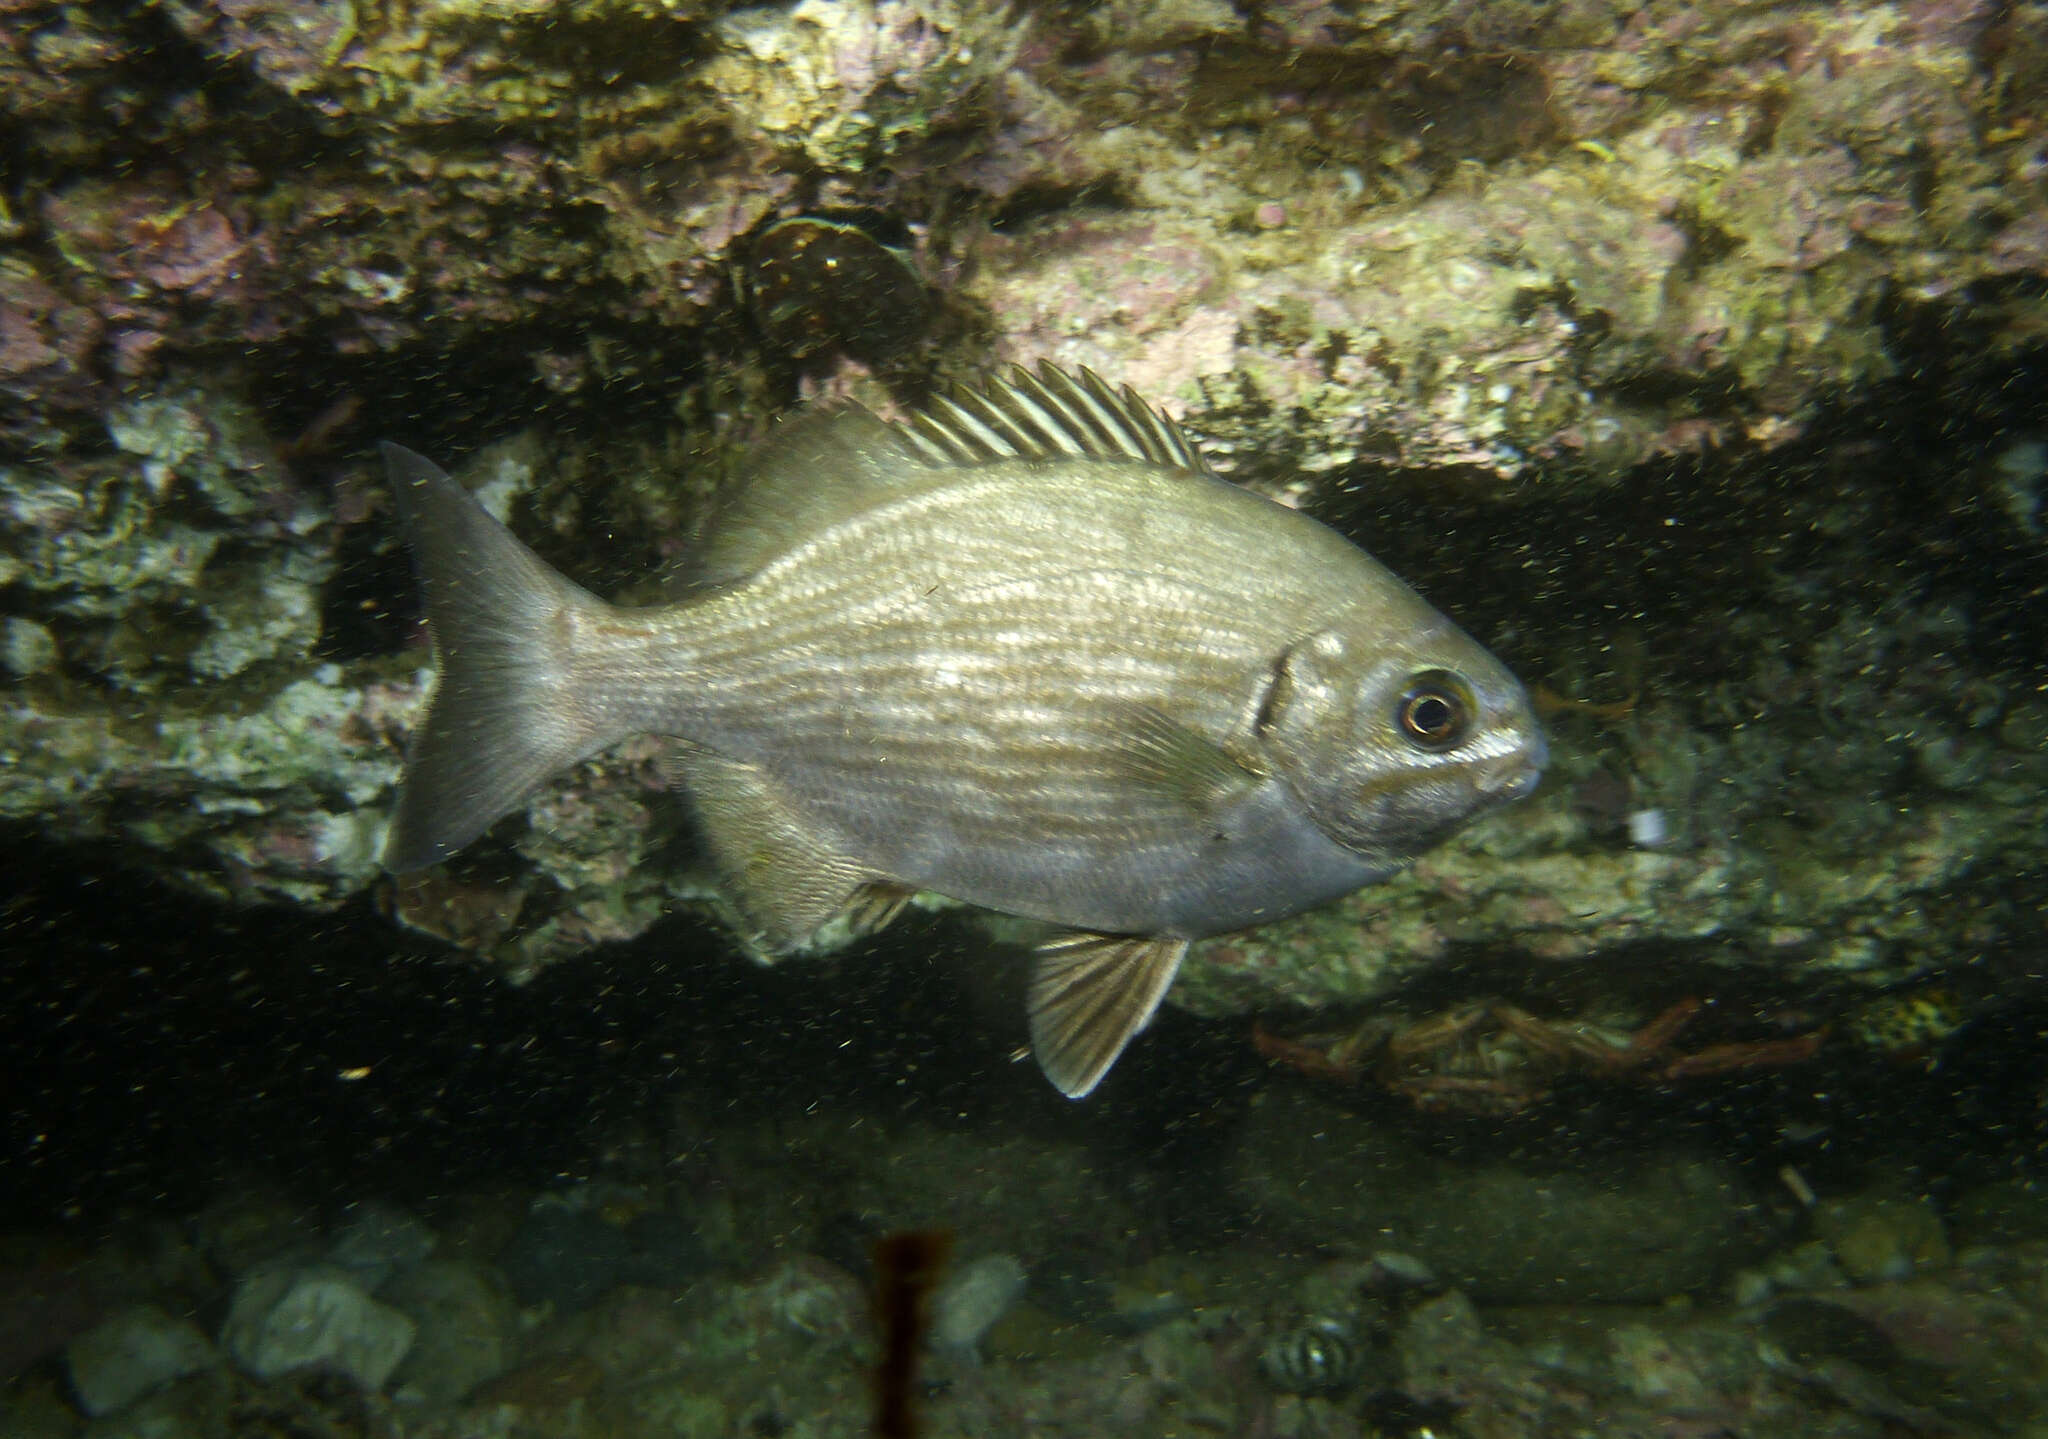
1395 735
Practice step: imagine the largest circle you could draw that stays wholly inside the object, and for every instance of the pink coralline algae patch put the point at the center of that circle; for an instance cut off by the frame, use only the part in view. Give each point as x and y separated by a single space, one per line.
1170 364
141 261
196 251
291 45
1090 290
45 340
1786 208
170 242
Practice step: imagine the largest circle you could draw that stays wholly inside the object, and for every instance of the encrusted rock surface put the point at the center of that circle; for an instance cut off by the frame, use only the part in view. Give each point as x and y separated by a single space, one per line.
291 1318
1439 233
133 1353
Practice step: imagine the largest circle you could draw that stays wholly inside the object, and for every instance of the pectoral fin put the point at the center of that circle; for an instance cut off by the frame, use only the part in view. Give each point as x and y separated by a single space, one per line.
1089 994
1173 762
875 905
786 881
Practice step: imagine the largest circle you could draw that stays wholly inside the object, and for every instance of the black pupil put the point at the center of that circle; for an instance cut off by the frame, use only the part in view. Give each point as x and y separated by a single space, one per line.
1430 716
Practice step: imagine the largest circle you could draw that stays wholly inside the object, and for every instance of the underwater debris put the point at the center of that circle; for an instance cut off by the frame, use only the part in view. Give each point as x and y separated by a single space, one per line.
907 1268
1495 1057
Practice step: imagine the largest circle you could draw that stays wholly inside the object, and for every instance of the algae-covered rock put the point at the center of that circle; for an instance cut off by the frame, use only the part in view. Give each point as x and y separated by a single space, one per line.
375 1240
2008 1211
1877 1237
566 1257
311 1317
1573 236
466 1329
253 1226
131 1353
1645 1228
848 87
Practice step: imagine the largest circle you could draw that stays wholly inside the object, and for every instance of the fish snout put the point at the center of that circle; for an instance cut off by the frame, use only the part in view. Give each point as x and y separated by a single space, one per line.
1515 775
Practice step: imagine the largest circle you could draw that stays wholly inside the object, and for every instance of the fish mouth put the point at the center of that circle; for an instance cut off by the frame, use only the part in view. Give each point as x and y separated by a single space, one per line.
1518 775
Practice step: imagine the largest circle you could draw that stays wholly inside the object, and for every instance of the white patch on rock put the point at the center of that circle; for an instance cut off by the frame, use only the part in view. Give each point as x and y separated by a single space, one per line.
1648 829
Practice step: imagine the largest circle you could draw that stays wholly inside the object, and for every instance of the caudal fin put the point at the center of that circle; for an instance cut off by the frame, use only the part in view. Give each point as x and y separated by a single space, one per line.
505 713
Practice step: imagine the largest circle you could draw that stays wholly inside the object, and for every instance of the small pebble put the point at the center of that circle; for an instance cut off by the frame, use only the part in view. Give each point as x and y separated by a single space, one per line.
133 1353
1879 1238
970 1302
1648 829
297 1317
1750 1289
26 648
1396 1270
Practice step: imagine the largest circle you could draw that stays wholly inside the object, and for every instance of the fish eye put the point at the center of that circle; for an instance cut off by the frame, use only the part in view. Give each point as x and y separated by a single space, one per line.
1434 711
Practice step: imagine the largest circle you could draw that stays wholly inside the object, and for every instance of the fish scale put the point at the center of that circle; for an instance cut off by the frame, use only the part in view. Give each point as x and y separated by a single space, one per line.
806 689
1025 651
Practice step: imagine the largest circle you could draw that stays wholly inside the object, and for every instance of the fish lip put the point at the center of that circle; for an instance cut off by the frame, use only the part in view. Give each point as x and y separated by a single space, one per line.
1518 778
1508 788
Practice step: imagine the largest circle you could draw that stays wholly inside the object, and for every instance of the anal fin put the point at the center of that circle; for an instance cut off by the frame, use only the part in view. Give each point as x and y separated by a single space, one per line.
785 880
1090 993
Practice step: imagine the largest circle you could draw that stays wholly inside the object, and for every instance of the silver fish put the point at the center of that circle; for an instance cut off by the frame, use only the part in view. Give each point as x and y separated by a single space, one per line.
1026 650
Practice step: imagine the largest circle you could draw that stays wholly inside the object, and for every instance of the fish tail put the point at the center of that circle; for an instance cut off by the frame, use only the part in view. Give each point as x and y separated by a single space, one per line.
507 710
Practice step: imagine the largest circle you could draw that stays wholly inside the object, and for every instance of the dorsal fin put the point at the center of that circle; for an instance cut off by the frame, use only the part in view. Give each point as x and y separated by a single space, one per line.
1046 416
830 465
814 471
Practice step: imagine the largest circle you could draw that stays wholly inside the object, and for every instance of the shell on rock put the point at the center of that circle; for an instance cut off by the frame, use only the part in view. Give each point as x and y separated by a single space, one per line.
1318 1356
821 282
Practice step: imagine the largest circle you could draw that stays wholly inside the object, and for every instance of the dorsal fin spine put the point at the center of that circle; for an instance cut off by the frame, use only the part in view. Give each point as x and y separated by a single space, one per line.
1117 412
1007 436
1084 418
1031 426
924 446
1048 415
978 439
